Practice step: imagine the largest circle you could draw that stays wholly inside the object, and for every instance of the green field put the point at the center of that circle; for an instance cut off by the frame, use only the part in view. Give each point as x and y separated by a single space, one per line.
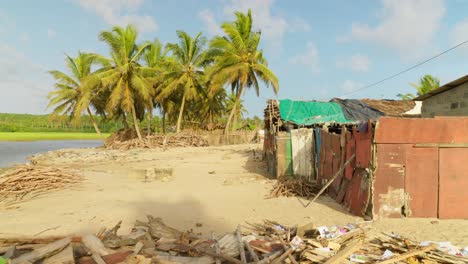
33 136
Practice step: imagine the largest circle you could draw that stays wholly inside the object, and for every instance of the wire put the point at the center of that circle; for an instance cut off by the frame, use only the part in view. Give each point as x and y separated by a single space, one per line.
408 69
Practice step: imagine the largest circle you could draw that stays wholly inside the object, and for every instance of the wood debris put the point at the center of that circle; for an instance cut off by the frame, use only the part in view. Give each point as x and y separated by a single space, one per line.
290 186
267 242
26 182
124 140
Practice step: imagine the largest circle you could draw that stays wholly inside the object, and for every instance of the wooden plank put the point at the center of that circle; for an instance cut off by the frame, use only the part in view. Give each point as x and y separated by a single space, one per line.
441 145
96 247
345 253
241 244
178 259
408 254
43 252
301 141
65 257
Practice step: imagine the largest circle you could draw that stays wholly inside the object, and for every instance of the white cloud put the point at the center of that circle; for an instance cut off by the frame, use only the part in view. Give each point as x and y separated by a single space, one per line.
309 58
120 12
51 33
459 34
406 26
356 63
349 86
210 22
273 26
25 83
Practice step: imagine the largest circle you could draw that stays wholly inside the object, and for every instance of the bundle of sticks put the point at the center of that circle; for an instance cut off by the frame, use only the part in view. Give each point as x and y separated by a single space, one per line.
291 186
157 141
153 241
25 182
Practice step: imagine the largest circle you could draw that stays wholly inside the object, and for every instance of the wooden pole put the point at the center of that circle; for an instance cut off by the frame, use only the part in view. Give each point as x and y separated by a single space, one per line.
332 179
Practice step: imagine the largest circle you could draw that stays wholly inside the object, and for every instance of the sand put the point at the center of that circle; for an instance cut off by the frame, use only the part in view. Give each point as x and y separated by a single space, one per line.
218 187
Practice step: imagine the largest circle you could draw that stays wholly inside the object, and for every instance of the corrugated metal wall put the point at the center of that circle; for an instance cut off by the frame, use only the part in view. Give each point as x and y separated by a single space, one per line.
419 171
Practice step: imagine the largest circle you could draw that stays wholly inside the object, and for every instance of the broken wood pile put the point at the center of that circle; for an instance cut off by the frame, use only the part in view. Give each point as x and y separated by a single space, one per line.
269 242
122 142
28 181
290 186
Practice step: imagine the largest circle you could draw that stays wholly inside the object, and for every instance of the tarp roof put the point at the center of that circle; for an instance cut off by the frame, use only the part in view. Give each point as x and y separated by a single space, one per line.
356 110
311 112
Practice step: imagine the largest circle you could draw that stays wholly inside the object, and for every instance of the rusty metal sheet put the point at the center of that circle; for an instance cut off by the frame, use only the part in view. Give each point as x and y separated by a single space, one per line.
422 181
453 179
422 130
350 150
389 182
336 161
357 195
364 146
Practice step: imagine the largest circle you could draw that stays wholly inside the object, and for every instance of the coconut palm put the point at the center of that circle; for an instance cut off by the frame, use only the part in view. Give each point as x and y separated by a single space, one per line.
130 90
426 84
70 88
239 61
184 74
232 104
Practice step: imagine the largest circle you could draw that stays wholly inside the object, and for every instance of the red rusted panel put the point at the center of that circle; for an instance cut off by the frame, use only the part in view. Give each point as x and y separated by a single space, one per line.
389 184
422 130
336 160
357 195
350 150
453 177
364 146
421 181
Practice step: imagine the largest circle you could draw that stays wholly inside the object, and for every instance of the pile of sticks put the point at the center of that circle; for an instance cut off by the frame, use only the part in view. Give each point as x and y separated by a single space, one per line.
157 141
152 241
290 186
25 182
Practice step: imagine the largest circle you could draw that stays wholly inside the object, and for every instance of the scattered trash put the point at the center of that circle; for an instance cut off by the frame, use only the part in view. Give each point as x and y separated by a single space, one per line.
387 254
357 258
153 241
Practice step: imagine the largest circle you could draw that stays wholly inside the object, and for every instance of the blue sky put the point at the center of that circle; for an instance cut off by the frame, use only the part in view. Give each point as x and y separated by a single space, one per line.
318 49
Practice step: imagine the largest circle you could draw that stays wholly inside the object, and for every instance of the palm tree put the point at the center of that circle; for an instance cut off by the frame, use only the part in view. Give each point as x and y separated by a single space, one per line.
426 84
184 72
130 90
232 104
69 90
239 62
154 58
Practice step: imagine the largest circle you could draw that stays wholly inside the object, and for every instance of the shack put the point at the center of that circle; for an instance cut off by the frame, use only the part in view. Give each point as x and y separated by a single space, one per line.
398 167
450 99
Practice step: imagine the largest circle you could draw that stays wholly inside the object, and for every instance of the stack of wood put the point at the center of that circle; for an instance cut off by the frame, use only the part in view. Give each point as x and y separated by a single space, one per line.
272 115
156 141
25 182
153 241
291 186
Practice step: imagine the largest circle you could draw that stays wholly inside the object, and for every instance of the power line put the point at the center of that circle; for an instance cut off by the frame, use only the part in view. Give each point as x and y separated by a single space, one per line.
408 69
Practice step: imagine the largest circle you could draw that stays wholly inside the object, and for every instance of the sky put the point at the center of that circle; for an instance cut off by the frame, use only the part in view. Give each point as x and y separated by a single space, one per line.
318 49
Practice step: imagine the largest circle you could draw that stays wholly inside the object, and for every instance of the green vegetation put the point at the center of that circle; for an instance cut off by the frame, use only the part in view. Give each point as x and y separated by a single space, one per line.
32 136
186 82
426 84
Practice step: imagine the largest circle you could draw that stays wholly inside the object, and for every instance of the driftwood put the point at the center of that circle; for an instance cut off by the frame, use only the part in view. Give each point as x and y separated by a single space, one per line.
96 247
158 229
43 252
241 244
65 257
124 140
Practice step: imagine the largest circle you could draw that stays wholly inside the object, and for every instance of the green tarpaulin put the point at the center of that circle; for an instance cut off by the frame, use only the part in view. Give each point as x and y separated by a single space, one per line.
309 113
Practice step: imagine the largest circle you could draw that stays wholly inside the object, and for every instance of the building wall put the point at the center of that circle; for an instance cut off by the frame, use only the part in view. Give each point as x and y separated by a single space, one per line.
453 102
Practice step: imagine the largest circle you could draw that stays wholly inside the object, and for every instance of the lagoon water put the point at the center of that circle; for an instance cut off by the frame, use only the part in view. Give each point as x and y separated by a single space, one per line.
12 152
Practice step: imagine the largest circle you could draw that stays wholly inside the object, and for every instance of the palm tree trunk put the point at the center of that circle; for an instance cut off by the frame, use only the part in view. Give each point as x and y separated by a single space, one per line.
231 115
94 122
163 121
149 116
124 120
135 123
179 120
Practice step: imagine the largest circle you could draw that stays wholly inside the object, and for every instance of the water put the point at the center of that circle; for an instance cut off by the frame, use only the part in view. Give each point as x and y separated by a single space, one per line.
17 152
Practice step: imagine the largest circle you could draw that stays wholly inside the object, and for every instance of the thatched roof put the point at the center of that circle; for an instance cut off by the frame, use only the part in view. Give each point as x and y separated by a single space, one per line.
390 107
